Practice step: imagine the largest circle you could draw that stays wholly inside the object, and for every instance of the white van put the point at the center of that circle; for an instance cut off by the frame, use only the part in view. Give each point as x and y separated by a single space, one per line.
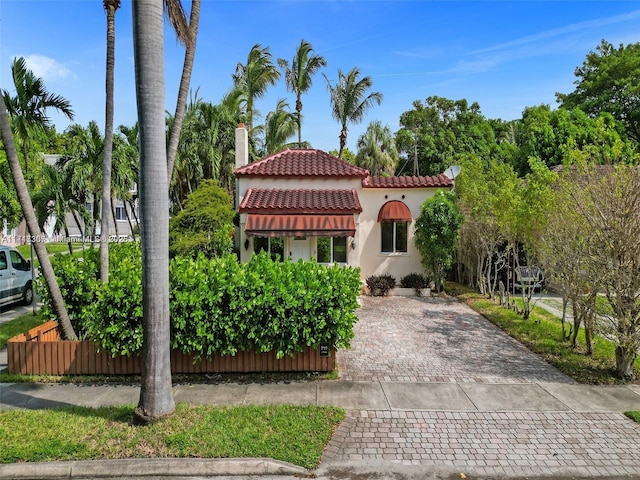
15 277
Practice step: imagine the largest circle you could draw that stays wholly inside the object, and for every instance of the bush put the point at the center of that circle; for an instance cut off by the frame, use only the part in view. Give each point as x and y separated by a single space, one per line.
77 278
205 225
381 285
114 319
437 232
417 281
220 306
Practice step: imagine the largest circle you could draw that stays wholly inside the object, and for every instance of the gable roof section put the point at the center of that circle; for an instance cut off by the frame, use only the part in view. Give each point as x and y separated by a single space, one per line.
262 200
301 163
439 181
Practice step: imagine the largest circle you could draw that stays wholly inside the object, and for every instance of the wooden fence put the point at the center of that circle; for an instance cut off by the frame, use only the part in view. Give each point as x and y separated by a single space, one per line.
41 351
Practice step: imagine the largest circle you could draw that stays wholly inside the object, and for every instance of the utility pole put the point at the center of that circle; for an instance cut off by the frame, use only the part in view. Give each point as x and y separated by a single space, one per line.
416 169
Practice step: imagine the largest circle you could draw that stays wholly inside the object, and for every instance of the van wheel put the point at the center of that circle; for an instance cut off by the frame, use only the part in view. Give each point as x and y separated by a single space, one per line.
27 295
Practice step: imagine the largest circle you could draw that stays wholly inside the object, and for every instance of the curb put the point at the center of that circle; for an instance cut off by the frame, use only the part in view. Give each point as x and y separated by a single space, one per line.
152 468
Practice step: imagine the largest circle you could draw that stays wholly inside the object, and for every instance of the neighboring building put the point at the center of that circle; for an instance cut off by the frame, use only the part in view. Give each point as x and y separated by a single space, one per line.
303 204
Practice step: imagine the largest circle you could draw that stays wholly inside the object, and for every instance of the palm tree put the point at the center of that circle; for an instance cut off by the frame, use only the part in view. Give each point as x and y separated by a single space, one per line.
255 77
280 126
50 200
28 107
298 76
83 165
127 150
32 223
189 39
156 396
110 6
349 100
377 150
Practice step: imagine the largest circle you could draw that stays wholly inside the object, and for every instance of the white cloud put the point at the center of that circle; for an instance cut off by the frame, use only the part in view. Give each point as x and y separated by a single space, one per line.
47 68
568 29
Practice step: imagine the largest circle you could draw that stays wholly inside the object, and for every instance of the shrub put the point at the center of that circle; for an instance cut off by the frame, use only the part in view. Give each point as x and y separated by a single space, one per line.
205 225
381 285
220 306
437 232
417 281
114 319
77 278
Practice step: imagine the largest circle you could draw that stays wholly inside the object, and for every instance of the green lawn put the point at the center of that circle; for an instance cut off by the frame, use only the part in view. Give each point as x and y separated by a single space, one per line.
19 325
295 434
542 334
53 247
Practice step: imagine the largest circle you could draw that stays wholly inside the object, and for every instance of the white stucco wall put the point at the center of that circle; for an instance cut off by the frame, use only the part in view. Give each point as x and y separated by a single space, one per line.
372 261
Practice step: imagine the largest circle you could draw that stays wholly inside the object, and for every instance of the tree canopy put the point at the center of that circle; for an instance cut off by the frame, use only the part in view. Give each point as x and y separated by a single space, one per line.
609 81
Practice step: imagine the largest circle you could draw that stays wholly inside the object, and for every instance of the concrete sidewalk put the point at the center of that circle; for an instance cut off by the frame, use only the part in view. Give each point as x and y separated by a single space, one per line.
351 395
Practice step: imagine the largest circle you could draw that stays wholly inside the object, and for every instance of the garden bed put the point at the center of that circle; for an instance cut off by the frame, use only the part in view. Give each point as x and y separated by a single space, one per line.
41 351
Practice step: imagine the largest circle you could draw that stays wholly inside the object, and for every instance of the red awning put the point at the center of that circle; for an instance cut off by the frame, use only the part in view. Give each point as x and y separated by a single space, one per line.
394 211
264 225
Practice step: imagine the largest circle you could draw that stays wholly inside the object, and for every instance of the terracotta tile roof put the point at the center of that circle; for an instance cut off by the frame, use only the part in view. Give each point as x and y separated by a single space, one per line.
301 163
300 201
407 182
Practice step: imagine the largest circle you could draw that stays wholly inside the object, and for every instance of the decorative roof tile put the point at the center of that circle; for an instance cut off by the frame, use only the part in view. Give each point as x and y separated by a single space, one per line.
407 182
301 163
300 201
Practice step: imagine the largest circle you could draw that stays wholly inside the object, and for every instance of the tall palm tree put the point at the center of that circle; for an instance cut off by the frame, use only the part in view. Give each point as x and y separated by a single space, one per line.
28 107
156 396
350 101
32 223
255 77
110 6
298 76
377 150
189 40
280 125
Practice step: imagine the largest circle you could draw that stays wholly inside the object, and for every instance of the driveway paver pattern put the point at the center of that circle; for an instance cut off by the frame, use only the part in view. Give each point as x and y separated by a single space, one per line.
426 339
442 340
492 443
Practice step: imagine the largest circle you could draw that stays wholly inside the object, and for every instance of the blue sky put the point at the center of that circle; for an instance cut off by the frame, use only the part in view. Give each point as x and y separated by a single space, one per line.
505 55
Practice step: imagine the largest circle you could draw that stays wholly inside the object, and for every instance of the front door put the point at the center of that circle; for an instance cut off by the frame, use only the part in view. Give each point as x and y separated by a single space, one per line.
299 248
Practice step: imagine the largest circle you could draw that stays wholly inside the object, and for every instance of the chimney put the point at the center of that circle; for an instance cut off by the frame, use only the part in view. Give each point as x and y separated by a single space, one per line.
242 146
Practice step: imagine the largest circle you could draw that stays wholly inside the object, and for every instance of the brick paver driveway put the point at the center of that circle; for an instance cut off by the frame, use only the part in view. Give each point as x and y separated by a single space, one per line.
441 340
428 339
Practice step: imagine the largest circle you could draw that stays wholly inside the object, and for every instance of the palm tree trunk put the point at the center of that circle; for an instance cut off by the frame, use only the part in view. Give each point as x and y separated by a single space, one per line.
66 232
156 395
133 211
183 91
113 216
32 224
108 142
343 140
133 235
299 120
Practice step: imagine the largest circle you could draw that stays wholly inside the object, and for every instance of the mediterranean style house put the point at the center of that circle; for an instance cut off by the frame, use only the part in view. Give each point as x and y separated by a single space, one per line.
304 204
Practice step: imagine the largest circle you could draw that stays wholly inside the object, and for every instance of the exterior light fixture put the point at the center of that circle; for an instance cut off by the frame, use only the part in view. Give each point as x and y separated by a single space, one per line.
246 244
353 244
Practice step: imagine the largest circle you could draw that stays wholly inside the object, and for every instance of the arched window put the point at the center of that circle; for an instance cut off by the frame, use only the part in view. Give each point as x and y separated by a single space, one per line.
394 218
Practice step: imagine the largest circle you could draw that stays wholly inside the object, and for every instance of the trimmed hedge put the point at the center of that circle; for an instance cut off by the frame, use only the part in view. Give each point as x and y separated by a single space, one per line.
220 306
